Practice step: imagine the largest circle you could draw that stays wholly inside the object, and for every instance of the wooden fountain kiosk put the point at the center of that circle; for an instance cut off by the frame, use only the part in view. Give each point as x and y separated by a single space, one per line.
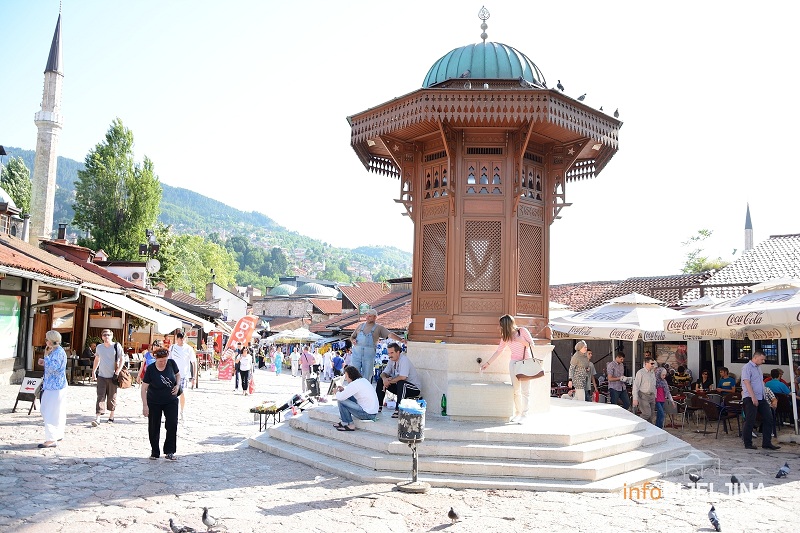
484 152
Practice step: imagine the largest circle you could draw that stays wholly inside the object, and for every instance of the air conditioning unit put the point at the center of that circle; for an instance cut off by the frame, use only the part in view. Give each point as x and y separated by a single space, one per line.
136 276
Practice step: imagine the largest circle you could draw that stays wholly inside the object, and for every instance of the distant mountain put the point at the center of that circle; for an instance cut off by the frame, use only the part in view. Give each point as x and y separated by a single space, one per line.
191 212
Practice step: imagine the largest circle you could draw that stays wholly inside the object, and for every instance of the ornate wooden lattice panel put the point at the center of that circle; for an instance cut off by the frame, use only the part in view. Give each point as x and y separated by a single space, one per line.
435 182
484 177
529 244
531 184
434 256
482 255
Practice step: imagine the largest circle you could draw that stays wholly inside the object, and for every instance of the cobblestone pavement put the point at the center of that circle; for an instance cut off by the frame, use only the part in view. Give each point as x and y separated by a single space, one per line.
100 479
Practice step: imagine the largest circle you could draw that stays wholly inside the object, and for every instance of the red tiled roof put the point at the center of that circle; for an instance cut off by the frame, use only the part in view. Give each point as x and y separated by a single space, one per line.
399 301
85 272
12 255
665 288
576 296
326 306
363 292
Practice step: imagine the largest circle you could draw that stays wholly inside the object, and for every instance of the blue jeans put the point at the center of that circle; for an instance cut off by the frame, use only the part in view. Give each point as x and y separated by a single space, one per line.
660 415
617 395
349 408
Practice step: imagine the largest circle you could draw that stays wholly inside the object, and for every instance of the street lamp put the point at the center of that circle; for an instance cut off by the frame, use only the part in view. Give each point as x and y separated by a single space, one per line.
149 250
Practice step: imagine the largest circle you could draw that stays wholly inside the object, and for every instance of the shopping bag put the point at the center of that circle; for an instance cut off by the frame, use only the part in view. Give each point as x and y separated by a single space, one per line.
251 388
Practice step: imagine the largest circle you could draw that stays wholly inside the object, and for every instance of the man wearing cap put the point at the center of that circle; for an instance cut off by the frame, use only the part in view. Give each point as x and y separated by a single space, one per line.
364 339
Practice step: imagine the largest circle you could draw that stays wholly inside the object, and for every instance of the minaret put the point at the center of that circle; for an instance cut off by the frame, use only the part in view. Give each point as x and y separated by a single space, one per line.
748 231
49 122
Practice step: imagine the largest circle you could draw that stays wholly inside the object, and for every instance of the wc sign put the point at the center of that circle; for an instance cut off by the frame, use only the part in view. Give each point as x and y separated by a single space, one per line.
29 385
29 389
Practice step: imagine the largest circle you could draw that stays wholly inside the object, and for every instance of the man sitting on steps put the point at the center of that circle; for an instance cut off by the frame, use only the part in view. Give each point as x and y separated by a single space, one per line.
399 377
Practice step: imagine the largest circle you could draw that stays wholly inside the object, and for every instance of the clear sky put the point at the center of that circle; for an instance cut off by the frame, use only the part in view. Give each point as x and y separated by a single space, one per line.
246 102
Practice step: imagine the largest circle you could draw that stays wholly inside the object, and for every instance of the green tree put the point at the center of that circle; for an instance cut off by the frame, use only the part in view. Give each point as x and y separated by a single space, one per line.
116 199
696 261
195 257
16 180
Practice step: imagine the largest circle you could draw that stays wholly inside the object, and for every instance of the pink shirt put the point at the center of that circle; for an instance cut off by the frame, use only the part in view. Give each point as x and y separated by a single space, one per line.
521 340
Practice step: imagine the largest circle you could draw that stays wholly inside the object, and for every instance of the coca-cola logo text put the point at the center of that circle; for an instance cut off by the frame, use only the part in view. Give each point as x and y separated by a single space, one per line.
624 334
686 324
752 318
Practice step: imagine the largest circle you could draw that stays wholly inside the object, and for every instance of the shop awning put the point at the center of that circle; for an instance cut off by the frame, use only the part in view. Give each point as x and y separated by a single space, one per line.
169 308
164 323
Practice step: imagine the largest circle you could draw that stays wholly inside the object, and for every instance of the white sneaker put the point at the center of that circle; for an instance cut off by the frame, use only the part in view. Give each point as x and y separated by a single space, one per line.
515 419
96 422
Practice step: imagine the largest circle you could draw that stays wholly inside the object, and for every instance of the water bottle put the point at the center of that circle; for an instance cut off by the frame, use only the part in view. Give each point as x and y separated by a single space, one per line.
444 405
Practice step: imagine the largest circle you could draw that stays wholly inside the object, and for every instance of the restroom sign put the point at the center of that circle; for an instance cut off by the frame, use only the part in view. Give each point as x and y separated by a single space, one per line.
30 389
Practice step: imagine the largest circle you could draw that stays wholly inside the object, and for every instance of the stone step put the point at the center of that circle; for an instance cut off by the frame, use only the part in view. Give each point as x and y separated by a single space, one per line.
321 424
348 470
573 423
577 446
350 447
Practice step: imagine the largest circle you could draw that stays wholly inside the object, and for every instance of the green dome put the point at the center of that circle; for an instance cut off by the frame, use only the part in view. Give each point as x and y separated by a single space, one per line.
313 289
283 290
484 60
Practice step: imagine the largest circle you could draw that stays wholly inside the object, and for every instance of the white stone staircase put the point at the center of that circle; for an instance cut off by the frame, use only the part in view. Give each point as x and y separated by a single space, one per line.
576 446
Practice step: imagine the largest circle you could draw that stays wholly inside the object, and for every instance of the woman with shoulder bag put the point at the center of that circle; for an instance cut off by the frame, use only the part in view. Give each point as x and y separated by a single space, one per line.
518 340
161 386
579 371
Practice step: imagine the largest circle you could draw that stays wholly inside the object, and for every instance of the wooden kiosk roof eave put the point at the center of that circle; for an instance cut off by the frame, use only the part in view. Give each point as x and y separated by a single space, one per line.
561 118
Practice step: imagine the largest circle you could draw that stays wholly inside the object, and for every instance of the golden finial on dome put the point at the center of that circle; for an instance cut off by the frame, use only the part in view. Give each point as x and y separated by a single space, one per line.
483 14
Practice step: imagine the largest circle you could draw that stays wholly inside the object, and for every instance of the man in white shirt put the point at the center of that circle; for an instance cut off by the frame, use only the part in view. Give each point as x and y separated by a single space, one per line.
183 355
295 359
356 399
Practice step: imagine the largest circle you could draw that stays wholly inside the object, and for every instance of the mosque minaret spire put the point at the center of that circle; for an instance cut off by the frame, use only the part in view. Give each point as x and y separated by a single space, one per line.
48 123
748 230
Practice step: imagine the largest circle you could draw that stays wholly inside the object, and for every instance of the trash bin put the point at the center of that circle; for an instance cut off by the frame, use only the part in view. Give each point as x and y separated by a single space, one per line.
411 422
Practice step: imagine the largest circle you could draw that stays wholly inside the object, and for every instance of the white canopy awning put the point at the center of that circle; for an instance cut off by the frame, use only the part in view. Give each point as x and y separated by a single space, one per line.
160 303
164 323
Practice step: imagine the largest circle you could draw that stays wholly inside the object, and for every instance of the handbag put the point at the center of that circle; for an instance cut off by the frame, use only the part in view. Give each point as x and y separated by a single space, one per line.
123 379
528 369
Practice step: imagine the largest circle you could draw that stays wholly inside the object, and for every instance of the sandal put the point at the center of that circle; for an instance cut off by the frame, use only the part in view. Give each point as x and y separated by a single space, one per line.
396 414
344 428
339 425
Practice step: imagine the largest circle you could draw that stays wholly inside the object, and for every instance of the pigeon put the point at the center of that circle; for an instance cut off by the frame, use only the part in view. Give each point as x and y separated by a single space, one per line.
601 108
712 516
177 528
560 87
735 481
210 521
694 478
453 516
582 97
616 113
465 74
784 471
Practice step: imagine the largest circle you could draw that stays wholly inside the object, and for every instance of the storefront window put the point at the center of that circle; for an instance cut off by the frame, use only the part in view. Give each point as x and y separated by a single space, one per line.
741 351
9 325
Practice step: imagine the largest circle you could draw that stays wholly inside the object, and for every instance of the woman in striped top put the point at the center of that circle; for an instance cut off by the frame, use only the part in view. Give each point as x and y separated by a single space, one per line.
518 340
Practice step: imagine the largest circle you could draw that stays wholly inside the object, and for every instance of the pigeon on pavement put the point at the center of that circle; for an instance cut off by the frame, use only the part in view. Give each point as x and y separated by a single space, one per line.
694 478
178 528
735 481
210 521
453 516
712 516
784 471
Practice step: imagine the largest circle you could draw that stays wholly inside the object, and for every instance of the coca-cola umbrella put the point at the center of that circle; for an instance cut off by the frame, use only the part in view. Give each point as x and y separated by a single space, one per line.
622 318
770 311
